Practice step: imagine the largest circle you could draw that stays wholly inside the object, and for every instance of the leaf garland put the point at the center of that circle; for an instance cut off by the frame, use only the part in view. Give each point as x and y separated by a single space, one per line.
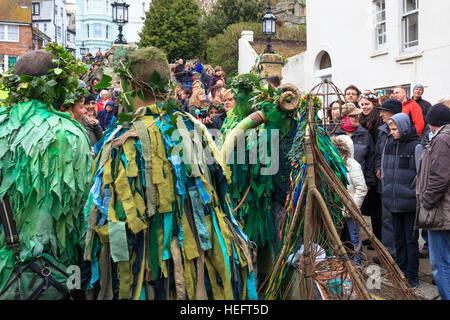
52 88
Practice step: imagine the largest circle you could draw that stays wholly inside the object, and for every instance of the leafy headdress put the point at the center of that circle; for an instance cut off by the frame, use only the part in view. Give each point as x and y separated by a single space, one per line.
242 87
50 76
143 73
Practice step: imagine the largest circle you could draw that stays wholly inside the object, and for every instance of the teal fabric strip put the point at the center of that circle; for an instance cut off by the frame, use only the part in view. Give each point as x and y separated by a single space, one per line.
199 218
118 241
95 271
223 246
251 287
201 188
168 227
143 296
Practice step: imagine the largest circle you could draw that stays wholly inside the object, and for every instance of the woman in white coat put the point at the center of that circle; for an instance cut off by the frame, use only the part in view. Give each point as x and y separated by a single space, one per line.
357 188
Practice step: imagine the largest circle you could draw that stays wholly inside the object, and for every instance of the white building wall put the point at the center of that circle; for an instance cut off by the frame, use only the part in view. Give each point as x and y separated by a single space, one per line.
247 55
349 37
345 30
293 71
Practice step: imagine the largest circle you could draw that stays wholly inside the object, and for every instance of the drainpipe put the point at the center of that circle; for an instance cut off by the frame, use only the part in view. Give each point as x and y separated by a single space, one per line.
54 21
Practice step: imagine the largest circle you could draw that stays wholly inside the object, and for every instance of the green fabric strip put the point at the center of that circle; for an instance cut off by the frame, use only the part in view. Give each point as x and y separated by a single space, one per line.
168 227
144 138
118 241
199 218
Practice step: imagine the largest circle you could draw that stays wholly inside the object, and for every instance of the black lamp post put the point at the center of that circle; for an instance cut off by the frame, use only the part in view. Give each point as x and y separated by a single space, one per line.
269 27
120 16
83 50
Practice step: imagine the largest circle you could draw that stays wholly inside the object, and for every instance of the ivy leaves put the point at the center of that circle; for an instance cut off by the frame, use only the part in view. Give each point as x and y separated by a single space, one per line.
52 88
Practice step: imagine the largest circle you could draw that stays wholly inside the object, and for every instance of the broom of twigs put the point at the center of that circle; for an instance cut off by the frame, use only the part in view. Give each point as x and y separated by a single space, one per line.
315 214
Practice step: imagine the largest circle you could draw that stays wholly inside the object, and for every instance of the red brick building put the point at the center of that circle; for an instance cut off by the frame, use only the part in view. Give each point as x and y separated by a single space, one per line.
16 33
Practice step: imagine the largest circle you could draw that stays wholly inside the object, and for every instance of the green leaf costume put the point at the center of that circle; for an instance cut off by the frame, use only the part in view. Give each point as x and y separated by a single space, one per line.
45 162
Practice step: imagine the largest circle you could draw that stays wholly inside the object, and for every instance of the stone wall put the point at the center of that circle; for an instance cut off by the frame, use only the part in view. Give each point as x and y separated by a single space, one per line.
291 12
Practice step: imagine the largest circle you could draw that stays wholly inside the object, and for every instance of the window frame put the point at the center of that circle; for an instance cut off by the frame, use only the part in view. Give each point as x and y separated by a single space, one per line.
33 10
377 23
408 46
6 32
94 31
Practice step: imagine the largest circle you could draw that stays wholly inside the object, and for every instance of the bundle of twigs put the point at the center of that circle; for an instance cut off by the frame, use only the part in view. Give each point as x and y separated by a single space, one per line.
322 192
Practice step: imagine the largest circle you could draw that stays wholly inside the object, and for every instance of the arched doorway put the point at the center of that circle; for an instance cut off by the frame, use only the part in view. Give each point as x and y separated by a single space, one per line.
323 70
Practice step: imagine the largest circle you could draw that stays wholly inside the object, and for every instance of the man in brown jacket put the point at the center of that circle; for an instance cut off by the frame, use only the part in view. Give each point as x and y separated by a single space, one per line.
433 196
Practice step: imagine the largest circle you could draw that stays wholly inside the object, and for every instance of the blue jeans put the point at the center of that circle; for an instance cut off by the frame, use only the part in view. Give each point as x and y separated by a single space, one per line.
353 231
387 231
406 243
439 246
425 238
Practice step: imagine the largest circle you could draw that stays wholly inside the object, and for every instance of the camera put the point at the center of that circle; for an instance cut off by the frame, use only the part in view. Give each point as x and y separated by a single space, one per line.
203 113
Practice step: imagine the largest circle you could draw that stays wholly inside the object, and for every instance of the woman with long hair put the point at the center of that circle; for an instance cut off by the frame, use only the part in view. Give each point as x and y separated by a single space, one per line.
371 120
370 117
197 101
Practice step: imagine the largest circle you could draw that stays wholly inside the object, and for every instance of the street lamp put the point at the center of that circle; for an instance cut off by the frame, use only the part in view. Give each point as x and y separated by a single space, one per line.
269 26
83 50
120 16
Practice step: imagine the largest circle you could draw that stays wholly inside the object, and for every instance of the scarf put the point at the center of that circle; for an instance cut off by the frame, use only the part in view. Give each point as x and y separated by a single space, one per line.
347 126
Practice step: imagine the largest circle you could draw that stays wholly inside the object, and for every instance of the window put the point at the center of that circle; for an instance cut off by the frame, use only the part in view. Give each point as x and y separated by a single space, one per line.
45 28
88 31
107 32
98 6
325 62
62 12
36 9
59 32
410 24
9 33
97 30
380 24
388 90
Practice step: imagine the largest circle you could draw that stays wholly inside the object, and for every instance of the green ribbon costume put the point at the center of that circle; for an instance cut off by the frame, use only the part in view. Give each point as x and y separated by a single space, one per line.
160 224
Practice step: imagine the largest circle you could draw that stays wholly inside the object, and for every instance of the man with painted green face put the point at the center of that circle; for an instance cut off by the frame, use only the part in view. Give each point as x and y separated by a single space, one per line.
159 228
259 181
45 162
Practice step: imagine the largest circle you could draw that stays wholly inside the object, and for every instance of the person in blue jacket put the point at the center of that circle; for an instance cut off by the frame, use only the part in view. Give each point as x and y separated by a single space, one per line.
106 115
399 163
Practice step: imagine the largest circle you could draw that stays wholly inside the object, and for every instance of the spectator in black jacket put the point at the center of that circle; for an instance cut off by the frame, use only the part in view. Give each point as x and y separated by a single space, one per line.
417 96
90 121
371 120
206 79
178 70
187 77
389 108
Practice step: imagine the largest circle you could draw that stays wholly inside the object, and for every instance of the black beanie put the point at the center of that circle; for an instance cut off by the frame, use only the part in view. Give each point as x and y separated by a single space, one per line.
391 105
89 98
438 115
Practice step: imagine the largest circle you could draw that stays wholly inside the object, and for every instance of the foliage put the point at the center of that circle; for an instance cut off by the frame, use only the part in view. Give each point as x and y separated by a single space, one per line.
174 27
244 82
52 88
223 49
228 12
